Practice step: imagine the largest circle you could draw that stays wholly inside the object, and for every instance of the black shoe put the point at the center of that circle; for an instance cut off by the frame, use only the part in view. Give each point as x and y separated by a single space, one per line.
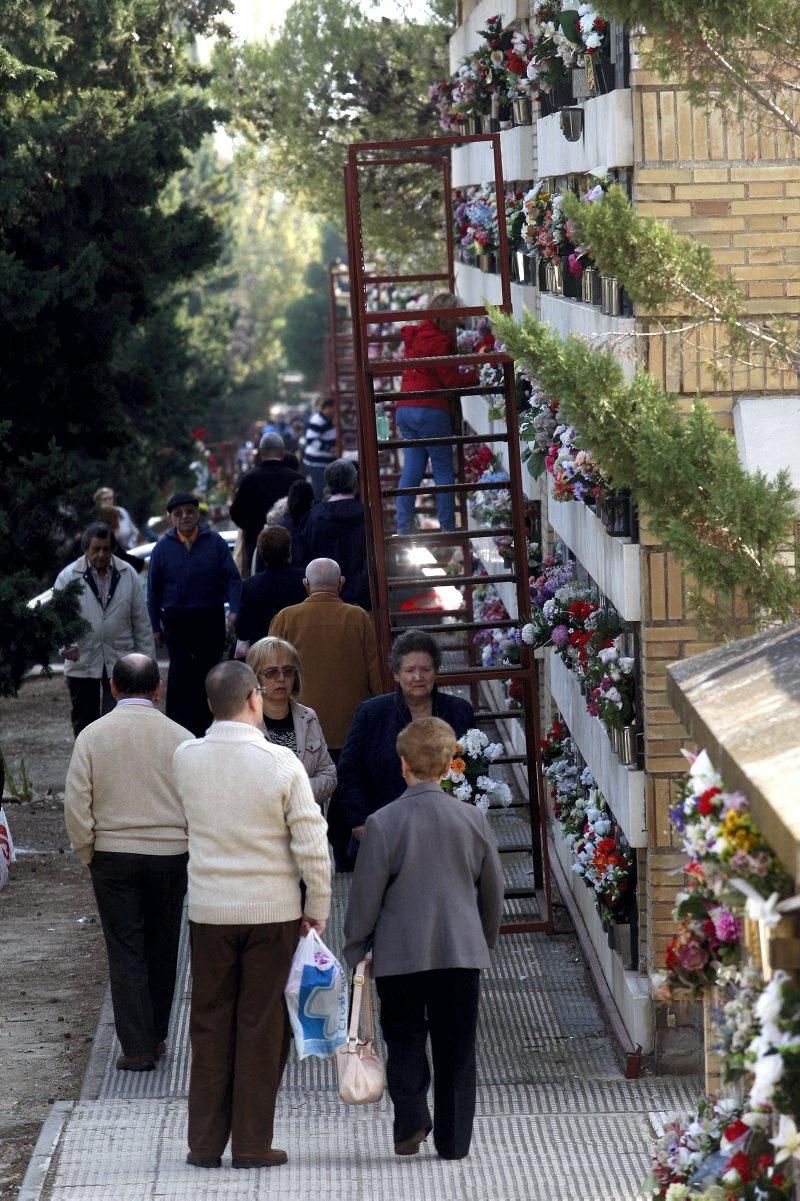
412 1144
272 1159
136 1063
160 1050
204 1161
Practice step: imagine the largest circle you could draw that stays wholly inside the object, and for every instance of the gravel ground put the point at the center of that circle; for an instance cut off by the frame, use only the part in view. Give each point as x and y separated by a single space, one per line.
52 957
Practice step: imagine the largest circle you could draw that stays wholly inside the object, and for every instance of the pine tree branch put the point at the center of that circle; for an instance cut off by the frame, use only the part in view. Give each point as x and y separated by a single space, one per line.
744 84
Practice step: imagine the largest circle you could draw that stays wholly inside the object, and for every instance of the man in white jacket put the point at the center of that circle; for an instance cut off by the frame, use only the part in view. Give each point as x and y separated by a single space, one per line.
112 602
254 831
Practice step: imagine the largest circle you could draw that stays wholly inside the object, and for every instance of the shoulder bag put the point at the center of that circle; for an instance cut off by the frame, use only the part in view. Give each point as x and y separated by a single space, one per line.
360 1071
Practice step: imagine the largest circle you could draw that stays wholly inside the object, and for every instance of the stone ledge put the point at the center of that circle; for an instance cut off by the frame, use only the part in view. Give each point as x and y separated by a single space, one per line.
613 563
622 787
630 989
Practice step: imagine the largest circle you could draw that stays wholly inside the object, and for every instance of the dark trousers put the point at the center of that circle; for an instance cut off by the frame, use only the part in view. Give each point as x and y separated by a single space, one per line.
90 699
140 901
195 641
445 1004
339 832
239 1032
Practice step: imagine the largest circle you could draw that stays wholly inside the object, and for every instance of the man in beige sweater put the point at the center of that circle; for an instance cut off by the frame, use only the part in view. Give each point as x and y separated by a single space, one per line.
254 831
124 820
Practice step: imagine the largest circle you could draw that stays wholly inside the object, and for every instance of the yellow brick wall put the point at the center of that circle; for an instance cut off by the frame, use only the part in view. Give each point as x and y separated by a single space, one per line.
736 188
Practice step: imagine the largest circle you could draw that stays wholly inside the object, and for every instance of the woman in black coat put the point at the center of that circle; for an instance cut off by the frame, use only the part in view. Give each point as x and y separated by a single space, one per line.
368 768
276 587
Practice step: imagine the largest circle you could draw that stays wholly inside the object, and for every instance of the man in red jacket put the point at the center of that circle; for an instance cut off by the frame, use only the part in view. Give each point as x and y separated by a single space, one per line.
429 416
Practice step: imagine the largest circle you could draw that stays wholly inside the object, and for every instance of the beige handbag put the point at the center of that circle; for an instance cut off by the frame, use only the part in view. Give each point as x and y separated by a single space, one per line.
360 1071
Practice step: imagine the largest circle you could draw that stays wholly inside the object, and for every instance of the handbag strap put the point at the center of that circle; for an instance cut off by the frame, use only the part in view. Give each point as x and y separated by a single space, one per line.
362 999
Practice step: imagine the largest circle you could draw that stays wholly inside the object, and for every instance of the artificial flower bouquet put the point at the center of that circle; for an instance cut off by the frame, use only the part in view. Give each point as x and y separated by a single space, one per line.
720 837
721 1154
468 779
601 855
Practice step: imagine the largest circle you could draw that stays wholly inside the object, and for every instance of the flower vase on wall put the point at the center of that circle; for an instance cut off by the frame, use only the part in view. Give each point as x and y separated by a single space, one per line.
628 753
616 514
522 110
590 286
542 279
571 282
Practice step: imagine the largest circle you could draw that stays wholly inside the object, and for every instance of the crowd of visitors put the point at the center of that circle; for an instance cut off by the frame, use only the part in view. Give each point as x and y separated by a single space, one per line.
261 757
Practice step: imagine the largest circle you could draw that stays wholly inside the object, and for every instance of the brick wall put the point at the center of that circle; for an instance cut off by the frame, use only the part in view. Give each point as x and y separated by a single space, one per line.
734 185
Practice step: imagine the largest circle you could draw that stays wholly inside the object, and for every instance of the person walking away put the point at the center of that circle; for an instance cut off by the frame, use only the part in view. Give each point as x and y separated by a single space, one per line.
113 604
254 830
192 575
270 590
127 534
368 768
335 529
426 899
299 502
319 449
428 416
259 489
124 820
336 644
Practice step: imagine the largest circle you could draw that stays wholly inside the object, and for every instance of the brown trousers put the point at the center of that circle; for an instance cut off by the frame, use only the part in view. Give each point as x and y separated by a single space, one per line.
239 1033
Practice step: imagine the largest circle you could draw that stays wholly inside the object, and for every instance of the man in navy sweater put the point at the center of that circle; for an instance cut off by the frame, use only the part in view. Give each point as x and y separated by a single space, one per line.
192 574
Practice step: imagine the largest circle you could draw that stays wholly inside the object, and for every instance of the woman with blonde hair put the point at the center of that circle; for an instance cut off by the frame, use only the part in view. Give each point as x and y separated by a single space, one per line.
276 664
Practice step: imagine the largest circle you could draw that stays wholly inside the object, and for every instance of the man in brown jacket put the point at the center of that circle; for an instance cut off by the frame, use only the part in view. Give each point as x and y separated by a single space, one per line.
339 654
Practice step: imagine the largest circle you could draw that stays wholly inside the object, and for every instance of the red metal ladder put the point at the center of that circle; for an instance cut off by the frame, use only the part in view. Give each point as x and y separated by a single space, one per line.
528 891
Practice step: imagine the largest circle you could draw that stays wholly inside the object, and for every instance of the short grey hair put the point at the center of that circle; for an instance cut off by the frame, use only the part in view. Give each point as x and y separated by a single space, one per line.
412 642
323 573
272 444
341 476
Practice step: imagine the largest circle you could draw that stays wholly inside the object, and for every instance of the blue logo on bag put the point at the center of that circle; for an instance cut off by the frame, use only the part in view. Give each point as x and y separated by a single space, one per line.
322 1007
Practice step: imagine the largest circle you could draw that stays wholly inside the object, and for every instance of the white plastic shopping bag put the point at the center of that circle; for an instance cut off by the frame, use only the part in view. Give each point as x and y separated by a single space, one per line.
6 848
316 997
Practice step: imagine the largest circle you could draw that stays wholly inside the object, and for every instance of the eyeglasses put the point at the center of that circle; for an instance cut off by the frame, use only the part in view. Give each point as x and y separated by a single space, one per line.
272 673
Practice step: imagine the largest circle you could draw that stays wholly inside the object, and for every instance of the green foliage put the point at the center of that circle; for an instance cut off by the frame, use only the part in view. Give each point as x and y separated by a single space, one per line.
666 273
100 104
724 52
728 527
334 75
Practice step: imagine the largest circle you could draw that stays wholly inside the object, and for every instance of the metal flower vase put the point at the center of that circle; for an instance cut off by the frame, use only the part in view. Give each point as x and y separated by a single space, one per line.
523 111
489 124
628 752
487 262
474 125
591 288
617 513
555 278
611 296
615 738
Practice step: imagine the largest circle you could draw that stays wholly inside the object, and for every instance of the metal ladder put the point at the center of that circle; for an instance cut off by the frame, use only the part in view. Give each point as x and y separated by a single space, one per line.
521 827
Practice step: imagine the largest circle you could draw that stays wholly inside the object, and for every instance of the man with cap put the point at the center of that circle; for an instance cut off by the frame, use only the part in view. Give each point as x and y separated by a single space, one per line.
259 490
192 575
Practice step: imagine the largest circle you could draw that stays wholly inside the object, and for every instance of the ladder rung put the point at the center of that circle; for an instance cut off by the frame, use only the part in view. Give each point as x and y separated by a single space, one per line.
461 625
437 580
446 536
456 440
435 489
467 390
396 366
499 714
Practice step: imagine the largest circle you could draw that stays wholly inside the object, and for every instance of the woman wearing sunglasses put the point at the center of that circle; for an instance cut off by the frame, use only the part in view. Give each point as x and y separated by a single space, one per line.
276 664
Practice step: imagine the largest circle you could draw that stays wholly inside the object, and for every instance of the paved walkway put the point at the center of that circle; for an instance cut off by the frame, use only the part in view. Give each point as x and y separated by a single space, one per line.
556 1120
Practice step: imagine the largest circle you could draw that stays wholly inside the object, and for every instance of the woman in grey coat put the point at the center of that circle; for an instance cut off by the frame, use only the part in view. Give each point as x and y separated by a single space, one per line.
426 899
